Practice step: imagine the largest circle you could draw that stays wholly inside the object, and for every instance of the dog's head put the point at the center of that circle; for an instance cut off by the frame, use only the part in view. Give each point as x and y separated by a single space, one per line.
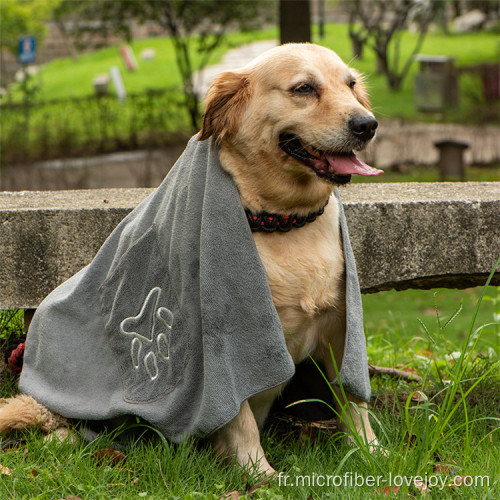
299 106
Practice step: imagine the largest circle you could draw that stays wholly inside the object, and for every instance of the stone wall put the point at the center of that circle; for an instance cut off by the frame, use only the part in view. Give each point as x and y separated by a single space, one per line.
415 235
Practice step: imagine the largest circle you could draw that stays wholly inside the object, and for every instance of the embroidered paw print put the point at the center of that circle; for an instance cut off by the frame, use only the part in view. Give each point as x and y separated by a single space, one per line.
150 331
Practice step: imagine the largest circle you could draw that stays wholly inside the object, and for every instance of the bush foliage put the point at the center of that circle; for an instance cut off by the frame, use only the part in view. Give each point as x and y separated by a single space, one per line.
89 125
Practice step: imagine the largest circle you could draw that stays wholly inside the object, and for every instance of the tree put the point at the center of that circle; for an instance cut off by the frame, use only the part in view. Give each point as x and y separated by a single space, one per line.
24 17
196 28
358 33
381 24
199 27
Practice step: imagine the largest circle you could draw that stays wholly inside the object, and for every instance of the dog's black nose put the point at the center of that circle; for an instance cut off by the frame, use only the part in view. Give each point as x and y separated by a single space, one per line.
363 126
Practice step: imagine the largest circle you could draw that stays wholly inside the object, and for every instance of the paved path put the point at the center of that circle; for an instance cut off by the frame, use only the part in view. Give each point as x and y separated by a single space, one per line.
233 59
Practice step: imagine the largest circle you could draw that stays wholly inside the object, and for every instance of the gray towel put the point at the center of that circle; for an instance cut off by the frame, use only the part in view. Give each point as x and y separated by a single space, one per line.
173 320
354 371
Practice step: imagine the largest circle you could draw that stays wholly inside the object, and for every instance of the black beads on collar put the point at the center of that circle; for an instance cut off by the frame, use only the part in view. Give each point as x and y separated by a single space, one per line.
268 222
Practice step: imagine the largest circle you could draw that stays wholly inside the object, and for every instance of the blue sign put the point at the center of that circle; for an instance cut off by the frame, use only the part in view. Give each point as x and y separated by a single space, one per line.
27 49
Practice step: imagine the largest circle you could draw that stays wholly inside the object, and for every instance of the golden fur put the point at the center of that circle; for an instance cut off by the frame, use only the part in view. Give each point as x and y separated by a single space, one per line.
246 111
23 412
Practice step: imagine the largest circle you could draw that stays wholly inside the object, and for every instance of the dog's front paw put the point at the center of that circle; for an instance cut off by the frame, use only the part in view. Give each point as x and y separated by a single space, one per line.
255 462
374 447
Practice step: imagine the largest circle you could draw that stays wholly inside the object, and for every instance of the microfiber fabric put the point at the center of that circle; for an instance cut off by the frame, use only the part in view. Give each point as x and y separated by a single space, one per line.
173 320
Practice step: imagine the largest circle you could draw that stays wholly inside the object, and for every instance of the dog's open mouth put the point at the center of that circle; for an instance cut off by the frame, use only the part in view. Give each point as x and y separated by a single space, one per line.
334 167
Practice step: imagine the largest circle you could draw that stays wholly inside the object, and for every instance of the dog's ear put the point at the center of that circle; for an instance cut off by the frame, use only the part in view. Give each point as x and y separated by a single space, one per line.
360 90
224 105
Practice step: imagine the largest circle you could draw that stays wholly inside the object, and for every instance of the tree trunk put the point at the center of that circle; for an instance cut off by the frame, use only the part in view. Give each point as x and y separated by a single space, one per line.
357 46
193 106
394 81
295 21
382 63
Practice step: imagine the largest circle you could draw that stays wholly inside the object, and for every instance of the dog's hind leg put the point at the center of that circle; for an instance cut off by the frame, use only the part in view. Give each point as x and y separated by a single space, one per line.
240 438
23 412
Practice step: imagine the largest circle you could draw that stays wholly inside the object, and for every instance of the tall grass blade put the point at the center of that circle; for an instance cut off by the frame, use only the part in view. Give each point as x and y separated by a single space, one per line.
454 315
429 334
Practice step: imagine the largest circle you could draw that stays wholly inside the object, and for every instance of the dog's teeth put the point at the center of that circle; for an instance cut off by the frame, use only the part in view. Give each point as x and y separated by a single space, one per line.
313 151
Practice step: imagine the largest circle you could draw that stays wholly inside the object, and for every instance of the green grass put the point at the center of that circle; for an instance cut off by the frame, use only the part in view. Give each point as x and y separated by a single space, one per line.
400 311
403 328
91 126
61 124
429 173
65 78
68 78
467 49
154 470
449 433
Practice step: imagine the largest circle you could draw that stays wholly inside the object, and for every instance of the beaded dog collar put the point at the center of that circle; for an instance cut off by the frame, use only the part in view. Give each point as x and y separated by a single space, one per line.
269 222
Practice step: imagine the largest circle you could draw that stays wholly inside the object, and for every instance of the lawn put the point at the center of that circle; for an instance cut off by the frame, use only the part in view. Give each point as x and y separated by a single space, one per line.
429 173
396 324
428 434
67 121
65 78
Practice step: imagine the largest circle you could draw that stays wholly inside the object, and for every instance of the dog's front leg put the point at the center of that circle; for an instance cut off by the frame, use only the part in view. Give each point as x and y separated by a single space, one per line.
352 420
356 420
240 438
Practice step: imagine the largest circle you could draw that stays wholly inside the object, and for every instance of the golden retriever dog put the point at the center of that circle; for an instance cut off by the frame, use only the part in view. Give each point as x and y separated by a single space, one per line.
286 125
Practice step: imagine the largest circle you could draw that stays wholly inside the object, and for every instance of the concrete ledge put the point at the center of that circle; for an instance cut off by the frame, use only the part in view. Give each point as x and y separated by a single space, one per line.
416 235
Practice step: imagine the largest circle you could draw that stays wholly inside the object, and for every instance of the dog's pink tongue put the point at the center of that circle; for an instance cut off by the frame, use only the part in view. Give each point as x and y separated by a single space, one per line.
351 164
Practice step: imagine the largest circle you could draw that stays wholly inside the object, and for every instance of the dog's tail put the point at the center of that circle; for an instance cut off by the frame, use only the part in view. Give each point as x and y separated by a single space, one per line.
23 412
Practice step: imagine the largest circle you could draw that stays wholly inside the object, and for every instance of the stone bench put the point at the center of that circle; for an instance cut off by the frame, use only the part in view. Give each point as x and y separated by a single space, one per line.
415 235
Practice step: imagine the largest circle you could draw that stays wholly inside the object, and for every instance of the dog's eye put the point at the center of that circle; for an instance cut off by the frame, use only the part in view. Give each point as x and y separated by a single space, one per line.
304 89
351 84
